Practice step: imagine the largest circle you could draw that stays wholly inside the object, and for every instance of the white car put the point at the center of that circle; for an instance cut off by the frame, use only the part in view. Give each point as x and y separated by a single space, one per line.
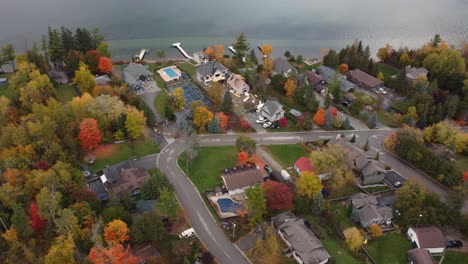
382 90
267 124
260 120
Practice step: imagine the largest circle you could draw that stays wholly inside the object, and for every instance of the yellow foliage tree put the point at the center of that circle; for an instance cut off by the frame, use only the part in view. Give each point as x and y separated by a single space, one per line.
308 185
266 49
179 100
202 117
62 251
375 230
218 52
404 60
10 235
267 67
135 122
116 232
290 87
84 79
353 238
380 76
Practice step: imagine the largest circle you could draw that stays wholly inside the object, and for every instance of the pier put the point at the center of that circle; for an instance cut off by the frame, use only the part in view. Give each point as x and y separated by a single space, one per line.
141 56
179 47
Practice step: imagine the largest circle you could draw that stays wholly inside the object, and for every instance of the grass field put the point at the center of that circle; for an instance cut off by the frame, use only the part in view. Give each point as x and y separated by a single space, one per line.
461 162
376 189
389 249
387 119
160 103
204 170
339 215
364 98
291 127
387 70
187 67
286 155
65 93
400 107
454 257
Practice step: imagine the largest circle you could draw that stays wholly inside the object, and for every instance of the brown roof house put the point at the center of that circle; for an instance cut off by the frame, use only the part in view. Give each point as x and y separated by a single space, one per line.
239 178
237 84
313 78
305 247
131 180
367 211
427 237
420 256
370 171
365 80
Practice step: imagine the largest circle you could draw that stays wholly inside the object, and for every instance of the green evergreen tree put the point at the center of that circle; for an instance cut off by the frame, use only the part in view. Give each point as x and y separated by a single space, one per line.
328 120
20 221
214 126
353 138
327 102
318 203
241 45
346 124
372 122
366 146
226 106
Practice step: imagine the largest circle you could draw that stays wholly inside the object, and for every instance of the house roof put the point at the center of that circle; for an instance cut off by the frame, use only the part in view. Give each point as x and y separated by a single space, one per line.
130 179
135 70
281 65
103 79
420 256
271 107
313 78
305 244
304 164
295 113
361 199
429 237
237 81
320 87
210 68
328 74
350 97
365 78
413 73
241 176
371 167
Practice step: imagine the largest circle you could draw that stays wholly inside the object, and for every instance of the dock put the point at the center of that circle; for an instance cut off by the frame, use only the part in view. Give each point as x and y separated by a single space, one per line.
179 47
141 56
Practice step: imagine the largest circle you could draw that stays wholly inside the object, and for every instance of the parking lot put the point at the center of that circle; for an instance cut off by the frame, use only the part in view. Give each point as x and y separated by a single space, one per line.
392 177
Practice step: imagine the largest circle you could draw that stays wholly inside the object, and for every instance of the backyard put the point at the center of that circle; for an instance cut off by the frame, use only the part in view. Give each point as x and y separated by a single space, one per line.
187 67
387 70
65 93
287 154
338 213
209 163
455 257
378 249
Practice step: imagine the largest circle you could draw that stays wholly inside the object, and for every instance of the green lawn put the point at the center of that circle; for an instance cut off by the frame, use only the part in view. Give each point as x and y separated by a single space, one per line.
187 67
389 249
461 162
345 192
387 119
339 214
400 107
160 103
65 93
125 151
287 154
376 189
204 170
454 257
364 98
387 70
332 242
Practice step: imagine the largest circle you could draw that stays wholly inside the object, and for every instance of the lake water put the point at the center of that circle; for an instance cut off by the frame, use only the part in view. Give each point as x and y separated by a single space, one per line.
301 26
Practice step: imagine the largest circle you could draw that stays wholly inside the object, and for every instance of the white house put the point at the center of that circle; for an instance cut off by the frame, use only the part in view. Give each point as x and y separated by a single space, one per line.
211 72
239 178
427 237
237 84
272 110
200 57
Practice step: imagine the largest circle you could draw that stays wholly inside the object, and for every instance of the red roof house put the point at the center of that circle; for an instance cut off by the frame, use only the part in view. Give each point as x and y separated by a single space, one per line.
303 164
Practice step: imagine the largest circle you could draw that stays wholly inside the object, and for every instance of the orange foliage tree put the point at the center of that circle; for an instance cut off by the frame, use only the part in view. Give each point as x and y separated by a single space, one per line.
223 120
290 87
105 65
319 117
343 68
90 136
266 49
242 157
116 232
210 52
117 254
267 67
218 52
202 117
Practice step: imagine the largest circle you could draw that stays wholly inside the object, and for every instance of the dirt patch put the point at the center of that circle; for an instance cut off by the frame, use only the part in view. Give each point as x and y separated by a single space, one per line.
105 151
178 225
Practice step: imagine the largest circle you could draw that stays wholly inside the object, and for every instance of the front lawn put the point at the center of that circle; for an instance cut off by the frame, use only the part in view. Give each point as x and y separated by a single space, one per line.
291 127
339 215
287 154
187 67
387 119
390 248
455 257
376 189
387 70
65 93
205 169
160 102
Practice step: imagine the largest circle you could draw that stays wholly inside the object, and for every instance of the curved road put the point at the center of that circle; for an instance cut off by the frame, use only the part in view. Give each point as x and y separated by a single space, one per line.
198 213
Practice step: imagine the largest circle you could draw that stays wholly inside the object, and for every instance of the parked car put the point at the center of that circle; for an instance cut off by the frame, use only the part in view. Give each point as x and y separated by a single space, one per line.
266 125
285 175
397 184
260 120
268 169
274 125
187 233
453 243
382 91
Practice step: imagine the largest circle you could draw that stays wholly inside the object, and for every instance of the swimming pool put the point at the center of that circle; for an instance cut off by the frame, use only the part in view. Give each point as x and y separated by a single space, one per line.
170 72
227 205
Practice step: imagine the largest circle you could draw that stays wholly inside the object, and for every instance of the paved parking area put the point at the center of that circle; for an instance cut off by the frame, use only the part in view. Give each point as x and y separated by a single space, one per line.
392 176
251 117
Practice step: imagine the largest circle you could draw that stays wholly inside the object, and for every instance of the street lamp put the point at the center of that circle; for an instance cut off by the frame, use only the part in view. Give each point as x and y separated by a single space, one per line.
419 219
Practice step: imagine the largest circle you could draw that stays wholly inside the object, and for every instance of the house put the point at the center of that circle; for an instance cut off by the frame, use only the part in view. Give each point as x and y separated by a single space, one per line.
349 98
320 89
329 74
303 164
237 84
98 188
295 113
365 80
413 73
200 57
369 171
427 237
420 256
367 211
239 178
305 247
272 110
131 180
102 80
313 78
135 75
283 67
211 72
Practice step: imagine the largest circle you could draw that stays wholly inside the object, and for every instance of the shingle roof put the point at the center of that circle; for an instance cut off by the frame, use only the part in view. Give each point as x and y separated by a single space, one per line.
210 68
328 74
271 107
365 78
413 73
135 70
361 199
313 78
281 66
429 237
320 87
130 179
420 256
241 176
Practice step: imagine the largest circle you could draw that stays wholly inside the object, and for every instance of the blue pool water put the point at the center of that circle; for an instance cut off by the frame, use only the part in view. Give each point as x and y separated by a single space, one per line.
227 205
170 72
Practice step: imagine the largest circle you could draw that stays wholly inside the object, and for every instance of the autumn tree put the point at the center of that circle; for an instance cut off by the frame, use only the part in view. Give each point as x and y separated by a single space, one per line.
103 49
353 239
290 86
304 122
219 52
210 52
242 157
61 251
179 99
404 60
246 144
91 59
201 117
223 121
283 122
267 66
375 230
278 195
308 185
241 45
117 254
215 93
343 68
37 222
90 136
266 49
268 250
105 65
135 122
380 76
116 232
256 205
84 79
319 117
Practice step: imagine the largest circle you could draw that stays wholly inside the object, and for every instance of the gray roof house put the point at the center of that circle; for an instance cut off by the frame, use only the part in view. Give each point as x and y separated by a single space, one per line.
369 170
283 67
183 118
135 75
413 73
367 211
272 110
305 246
211 72
328 74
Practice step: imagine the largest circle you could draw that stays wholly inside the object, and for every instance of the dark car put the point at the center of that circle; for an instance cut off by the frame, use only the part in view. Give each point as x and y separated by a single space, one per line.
268 169
453 243
274 125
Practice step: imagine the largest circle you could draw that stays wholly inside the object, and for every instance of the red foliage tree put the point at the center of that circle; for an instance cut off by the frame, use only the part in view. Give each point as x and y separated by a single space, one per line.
42 165
283 122
92 60
117 254
90 136
465 176
242 157
244 124
319 117
105 65
37 223
333 111
278 195
223 120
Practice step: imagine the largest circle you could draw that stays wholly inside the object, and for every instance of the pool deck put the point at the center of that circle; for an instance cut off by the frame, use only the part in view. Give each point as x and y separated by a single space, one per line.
169 74
238 198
